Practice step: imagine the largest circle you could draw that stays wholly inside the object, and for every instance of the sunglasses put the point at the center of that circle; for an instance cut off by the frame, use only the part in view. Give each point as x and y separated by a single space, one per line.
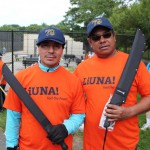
96 38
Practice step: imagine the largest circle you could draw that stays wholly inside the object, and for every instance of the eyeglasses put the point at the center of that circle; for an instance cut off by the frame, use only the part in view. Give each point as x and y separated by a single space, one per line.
96 38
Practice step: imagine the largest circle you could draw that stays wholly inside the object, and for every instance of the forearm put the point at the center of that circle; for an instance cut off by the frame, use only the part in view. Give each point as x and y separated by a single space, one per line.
141 107
114 112
59 132
74 122
12 128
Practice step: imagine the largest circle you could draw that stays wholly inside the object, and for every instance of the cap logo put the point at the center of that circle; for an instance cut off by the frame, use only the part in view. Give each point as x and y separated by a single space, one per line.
97 21
50 32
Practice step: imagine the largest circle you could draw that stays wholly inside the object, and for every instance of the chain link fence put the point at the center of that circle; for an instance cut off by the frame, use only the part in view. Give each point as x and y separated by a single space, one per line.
16 46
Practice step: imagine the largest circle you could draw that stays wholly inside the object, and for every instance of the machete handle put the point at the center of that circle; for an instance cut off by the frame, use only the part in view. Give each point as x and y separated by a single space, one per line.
64 146
107 123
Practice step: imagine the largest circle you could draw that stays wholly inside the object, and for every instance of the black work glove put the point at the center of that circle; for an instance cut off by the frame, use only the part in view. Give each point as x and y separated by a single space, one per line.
10 148
58 133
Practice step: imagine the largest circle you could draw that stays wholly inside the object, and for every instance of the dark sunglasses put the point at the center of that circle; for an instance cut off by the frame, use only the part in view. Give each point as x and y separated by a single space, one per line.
96 38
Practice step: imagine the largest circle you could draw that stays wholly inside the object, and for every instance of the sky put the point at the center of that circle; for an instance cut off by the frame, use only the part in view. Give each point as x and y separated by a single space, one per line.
27 12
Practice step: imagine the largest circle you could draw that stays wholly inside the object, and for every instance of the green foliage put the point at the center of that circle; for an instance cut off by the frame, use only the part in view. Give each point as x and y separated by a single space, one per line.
10 27
126 20
83 11
32 27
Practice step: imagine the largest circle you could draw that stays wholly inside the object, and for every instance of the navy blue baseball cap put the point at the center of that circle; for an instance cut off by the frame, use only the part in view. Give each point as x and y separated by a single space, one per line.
103 22
51 34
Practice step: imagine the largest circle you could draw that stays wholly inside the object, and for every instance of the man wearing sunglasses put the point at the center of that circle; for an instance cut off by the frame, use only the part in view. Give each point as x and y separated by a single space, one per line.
100 76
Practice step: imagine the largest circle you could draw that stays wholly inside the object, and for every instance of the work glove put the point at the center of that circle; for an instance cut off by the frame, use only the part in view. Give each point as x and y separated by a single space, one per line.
10 148
58 133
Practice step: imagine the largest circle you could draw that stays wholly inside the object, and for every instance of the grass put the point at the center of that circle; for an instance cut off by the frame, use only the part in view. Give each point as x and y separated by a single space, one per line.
71 69
144 143
3 120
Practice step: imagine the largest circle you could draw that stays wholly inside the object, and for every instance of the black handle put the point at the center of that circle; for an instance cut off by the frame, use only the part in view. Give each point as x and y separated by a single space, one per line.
64 146
107 123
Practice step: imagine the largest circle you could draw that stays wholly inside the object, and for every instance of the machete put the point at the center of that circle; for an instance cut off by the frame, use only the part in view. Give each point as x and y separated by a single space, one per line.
28 102
129 71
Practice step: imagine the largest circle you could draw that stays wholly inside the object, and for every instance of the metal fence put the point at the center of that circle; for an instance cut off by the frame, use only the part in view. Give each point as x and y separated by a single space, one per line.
22 44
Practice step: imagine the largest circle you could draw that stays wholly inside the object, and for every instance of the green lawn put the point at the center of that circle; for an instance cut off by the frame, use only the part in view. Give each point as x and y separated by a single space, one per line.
144 143
2 119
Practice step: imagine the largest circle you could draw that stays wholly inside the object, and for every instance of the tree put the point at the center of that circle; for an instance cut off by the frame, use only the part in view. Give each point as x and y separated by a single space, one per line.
135 16
36 28
10 27
83 11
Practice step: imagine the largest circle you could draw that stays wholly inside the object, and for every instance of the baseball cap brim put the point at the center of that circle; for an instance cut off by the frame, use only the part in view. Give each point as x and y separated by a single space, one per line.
38 43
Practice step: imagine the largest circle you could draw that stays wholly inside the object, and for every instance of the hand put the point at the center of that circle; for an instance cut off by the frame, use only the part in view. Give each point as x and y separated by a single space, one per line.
58 133
114 112
10 148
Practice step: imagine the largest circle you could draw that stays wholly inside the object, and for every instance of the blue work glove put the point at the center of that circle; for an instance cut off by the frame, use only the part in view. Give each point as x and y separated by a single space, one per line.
10 148
58 133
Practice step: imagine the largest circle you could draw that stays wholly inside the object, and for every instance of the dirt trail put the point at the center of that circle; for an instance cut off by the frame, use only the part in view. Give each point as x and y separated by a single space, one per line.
78 141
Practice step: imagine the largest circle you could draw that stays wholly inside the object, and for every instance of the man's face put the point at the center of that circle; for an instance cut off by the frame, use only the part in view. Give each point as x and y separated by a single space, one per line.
50 53
103 42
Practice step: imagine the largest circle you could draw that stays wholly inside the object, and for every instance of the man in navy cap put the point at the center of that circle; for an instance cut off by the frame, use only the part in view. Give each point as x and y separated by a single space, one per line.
56 91
100 75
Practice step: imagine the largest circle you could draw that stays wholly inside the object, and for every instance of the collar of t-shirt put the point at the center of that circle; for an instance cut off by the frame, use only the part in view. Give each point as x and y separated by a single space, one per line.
46 69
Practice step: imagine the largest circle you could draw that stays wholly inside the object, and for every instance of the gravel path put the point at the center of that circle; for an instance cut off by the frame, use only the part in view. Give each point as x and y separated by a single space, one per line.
2 140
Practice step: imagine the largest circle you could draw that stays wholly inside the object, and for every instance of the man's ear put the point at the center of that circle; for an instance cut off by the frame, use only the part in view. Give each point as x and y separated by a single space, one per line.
89 41
37 49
